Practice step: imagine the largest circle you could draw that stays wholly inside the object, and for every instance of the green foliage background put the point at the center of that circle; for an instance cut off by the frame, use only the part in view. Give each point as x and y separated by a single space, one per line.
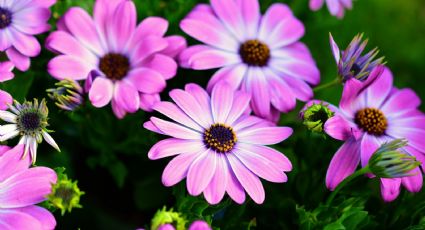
123 188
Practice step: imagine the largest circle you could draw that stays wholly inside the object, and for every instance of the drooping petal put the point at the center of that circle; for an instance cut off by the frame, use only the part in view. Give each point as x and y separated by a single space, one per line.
369 144
126 96
413 183
390 188
101 92
146 80
177 169
147 101
215 190
163 64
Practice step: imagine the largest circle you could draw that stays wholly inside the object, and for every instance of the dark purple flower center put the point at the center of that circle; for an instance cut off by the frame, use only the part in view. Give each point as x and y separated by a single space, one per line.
372 121
114 66
220 138
5 18
254 53
29 121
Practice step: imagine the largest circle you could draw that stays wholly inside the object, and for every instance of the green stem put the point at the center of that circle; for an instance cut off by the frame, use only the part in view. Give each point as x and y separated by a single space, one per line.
358 173
336 81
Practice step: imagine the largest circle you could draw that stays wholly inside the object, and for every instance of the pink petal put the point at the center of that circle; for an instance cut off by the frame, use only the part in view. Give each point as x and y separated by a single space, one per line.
300 89
103 11
173 146
118 110
119 31
400 101
287 32
201 172
221 102
274 15
177 169
281 95
250 182
234 188
147 47
44 217
230 15
316 4
413 183
280 161
21 61
162 64
250 10
175 130
212 58
175 113
5 100
150 26
240 104
260 166
126 95
302 69
413 136
335 49
256 85
369 144
247 122
201 97
191 107
31 17
343 163
232 75
378 91
82 26
25 44
187 54
11 162
390 188
65 66
147 101
334 7
101 92
146 80
264 135
340 128
27 187
176 44
199 225
215 190
13 219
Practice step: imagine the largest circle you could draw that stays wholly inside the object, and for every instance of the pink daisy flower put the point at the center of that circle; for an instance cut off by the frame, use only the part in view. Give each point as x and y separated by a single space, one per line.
123 63
335 7
21 188
367 119
259 54
19 22
219 147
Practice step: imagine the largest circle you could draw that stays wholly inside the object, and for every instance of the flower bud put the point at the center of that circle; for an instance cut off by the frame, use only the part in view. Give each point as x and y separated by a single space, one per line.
391 161
315 116
164 219
67 94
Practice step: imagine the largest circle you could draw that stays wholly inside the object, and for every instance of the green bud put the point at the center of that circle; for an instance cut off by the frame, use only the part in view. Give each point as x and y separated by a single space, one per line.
391 161
163 217
65 194
67 94
315 116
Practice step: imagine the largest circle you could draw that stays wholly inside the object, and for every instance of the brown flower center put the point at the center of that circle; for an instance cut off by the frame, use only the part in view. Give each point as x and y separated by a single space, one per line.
372 121
5 18
254 53
220 138
114 66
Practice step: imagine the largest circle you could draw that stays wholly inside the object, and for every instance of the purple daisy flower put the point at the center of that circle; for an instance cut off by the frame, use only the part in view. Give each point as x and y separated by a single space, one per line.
123 63
352 65
19 22
219 147
369 118
21 188
335 7
261 55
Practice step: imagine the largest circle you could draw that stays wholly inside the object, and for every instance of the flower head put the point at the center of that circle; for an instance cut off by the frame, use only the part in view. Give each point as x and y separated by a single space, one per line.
220 148
67 95
123 63
65 194
390 161
315 115
21 189
19 22
28 120
260 54
369 118
164 219
335 7
351 64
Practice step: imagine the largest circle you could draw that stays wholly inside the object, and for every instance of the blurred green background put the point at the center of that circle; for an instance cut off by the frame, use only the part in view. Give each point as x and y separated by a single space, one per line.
123 188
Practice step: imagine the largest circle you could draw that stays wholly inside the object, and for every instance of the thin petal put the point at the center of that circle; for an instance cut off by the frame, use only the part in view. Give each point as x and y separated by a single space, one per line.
173 146
264 136
390 188
201 172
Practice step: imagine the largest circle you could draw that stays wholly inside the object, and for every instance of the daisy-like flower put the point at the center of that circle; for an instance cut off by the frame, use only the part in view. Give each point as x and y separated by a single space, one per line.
335 7
21 189
219 147
19 22
123 63
28 120
259 54
369 118
352 65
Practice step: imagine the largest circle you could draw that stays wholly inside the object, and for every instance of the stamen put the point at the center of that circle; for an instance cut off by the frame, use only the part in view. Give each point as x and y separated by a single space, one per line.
5 18
220 138
114 66
254 53
372 121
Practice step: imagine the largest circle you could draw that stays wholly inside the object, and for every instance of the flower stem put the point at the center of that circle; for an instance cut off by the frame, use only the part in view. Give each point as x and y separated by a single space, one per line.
336 81
358 173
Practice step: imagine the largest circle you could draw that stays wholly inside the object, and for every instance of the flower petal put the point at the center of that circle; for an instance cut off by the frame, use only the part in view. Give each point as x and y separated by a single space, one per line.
173 146
390 188
215 190
101 92
177 169
146 80
175 130
65 66
265 135
201 172
221 102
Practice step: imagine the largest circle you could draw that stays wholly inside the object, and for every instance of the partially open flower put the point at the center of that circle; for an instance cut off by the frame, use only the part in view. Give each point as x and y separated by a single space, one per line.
315 115
164 219
350 62
65 194
391 161
29 120
67 94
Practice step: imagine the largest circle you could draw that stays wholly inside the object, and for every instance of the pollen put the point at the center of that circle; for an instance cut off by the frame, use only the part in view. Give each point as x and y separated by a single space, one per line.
254 53
372 121
114 66
220 138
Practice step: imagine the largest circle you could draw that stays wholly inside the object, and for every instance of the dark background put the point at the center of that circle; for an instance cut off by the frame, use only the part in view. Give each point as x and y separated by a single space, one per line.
123 187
